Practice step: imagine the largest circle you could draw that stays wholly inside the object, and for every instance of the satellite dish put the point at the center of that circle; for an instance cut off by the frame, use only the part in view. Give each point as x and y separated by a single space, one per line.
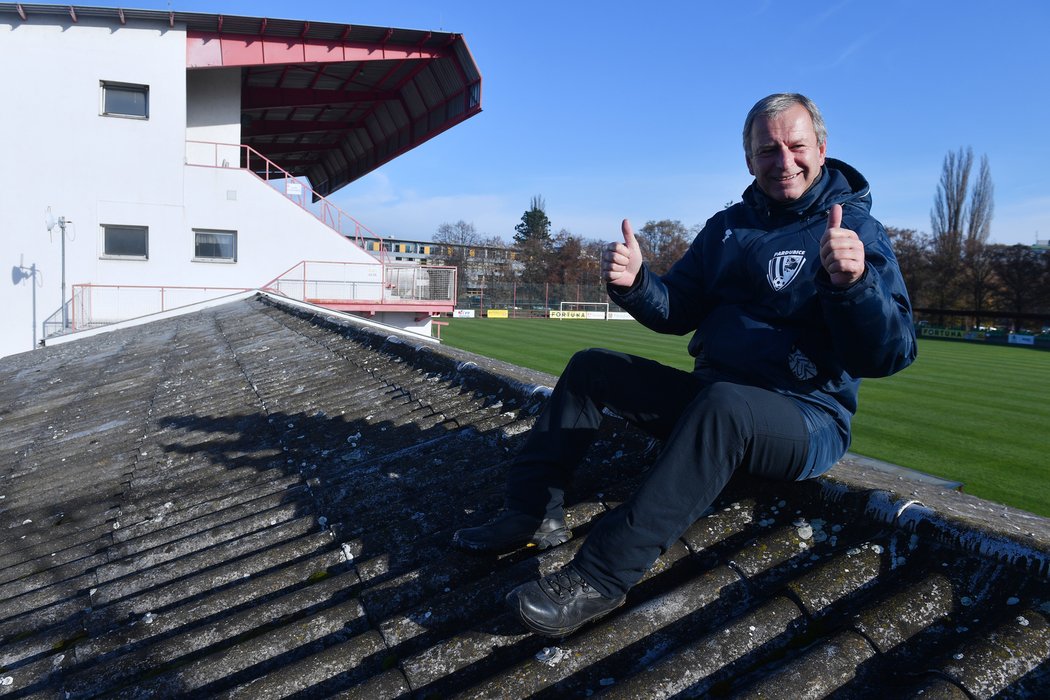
50 221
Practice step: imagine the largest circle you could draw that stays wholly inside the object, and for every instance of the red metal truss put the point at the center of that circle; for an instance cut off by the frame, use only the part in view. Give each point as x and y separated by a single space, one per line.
335 106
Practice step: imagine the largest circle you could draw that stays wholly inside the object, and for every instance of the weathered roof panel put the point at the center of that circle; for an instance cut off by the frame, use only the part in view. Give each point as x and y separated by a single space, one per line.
257 501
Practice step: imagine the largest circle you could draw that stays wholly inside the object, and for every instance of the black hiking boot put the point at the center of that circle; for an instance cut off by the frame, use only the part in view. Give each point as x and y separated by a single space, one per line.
559 604
511 530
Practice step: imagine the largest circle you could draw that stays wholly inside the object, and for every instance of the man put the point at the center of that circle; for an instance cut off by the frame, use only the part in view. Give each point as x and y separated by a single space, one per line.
792 295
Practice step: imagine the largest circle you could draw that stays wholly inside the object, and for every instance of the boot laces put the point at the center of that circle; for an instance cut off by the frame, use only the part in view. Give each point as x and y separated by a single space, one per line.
567 582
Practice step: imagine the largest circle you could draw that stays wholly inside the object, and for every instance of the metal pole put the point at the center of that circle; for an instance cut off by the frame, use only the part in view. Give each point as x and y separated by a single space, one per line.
32 270
65 312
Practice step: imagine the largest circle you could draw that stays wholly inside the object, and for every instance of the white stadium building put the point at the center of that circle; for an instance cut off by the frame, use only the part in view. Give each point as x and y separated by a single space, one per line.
161 159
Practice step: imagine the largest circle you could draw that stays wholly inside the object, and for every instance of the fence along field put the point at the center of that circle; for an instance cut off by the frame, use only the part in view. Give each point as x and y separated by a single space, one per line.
965 412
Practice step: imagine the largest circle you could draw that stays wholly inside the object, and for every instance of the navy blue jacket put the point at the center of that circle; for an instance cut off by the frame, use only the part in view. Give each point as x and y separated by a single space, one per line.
762 309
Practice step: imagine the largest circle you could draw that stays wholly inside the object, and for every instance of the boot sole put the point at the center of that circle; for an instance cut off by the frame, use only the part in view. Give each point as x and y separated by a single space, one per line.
538 542
550 539
559 633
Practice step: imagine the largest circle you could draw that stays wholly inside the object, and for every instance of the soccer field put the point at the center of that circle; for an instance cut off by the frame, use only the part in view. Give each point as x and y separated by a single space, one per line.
970 413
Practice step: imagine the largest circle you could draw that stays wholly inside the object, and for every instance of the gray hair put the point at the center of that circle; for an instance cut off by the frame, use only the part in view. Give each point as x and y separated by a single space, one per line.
774 105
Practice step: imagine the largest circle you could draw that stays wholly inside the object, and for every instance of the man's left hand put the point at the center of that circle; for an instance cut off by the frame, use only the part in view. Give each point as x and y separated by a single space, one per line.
841 251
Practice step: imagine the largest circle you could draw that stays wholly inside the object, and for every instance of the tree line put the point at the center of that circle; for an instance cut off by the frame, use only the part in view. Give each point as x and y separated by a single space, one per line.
953 273
954 276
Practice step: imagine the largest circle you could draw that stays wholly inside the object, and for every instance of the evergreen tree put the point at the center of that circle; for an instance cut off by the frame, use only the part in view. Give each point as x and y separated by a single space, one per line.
534 226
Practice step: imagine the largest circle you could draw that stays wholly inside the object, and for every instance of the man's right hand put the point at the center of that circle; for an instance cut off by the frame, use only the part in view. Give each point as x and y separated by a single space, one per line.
621 262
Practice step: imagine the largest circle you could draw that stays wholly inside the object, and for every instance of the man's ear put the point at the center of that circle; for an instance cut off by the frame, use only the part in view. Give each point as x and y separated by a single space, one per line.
823 151
747 160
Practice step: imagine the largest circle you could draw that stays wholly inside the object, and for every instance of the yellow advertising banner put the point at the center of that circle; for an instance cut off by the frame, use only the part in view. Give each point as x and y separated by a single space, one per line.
497 313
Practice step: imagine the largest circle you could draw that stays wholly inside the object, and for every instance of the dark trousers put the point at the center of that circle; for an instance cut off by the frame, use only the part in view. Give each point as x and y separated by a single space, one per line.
709 430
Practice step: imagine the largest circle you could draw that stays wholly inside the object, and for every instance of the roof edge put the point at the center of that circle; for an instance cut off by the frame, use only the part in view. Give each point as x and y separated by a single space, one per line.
957 520
211 22
903 499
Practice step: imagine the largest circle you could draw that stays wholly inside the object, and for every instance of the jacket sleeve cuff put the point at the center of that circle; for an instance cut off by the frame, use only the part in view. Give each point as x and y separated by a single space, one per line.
617 292
830 291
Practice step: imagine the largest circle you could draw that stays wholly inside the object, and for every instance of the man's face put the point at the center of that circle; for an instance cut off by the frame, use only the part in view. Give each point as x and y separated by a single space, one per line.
785 158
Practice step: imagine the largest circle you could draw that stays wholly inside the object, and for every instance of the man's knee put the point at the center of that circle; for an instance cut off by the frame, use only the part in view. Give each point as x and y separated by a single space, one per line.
593 362
725 398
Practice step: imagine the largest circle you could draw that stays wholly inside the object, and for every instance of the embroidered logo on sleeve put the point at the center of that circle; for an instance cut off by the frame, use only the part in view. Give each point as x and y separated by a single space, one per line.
729 232
783 267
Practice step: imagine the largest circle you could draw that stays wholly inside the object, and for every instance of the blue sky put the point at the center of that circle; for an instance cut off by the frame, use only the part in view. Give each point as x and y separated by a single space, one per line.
625 109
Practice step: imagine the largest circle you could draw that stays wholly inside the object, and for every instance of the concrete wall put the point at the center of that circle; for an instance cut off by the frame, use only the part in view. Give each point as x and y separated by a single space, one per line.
61 153
213 113
273 233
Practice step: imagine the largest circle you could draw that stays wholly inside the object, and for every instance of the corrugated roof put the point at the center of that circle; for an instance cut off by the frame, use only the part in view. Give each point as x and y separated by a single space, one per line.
332 120
257 501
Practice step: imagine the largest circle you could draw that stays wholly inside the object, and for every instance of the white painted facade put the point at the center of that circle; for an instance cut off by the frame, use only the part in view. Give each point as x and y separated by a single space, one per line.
95 170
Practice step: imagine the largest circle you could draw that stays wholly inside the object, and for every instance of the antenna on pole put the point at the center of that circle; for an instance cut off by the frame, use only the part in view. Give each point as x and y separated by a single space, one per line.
50 221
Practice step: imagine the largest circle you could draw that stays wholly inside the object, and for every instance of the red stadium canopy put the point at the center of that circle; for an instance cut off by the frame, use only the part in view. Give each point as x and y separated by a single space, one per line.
327 101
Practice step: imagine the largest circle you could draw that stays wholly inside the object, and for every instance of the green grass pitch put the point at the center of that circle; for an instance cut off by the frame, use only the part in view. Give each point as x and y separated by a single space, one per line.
971 413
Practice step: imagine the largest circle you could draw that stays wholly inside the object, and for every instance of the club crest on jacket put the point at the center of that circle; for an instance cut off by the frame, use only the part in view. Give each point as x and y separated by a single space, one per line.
783 267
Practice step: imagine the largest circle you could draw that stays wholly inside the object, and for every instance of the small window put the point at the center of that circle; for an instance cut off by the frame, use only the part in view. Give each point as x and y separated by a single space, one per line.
127 242
215 246
125 100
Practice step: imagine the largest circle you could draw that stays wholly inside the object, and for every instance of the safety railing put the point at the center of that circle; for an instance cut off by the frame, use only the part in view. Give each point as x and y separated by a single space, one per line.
210 154
94 305
321 282
335 284
57 323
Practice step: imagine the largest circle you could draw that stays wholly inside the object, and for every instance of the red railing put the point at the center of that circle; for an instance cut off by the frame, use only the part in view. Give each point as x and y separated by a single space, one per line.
211 154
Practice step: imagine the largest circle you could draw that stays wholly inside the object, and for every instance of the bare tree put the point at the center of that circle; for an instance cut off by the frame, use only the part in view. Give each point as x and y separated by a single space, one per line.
456 240
949 205
977 273
591 261
980 208
566 265
961 219
663 243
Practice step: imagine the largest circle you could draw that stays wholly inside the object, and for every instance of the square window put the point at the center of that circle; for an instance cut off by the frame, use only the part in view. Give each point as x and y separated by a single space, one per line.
125 100
128 242
215 246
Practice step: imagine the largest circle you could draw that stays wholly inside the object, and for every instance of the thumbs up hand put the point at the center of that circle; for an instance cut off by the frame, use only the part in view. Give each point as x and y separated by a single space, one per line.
622 261
841 251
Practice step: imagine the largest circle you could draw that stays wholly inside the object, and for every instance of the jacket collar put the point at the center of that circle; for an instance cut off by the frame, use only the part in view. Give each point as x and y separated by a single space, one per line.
838 183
